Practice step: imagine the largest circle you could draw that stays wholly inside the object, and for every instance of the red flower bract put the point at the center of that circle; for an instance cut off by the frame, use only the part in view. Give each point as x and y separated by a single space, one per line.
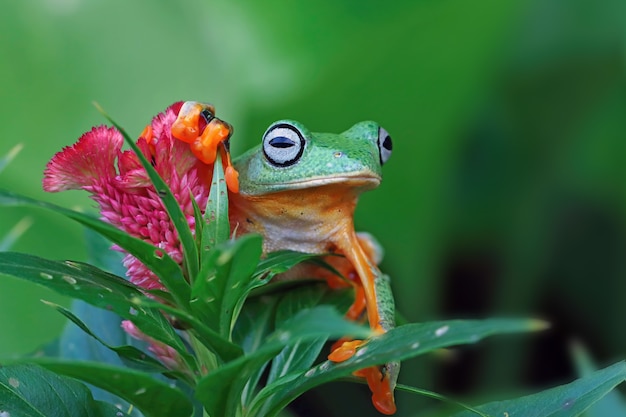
123 191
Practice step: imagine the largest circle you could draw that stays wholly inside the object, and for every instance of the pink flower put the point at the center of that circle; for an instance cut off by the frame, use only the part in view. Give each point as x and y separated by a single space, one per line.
123 191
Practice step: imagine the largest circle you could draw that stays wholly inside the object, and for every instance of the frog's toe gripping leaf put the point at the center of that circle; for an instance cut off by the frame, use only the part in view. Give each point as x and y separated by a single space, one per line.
380 379
197 125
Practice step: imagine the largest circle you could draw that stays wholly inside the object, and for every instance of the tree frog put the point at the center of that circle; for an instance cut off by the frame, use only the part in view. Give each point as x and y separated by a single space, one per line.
299 190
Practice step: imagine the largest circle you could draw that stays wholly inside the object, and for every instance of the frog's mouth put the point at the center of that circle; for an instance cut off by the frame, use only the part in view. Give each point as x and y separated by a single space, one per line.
357 180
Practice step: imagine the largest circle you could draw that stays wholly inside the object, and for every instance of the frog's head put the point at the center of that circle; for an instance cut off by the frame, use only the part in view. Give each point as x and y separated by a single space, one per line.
291 158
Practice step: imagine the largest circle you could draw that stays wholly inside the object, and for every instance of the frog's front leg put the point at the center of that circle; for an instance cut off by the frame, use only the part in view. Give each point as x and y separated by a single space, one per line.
380 310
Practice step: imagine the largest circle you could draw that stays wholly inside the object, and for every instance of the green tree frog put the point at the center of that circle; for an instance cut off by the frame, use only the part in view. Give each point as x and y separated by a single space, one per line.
299 190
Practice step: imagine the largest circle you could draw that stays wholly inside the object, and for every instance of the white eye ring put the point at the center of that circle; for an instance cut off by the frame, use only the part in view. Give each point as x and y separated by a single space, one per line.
384 145
283 144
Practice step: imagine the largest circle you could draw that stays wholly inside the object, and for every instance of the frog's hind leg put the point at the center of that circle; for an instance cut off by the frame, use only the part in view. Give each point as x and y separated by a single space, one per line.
374 287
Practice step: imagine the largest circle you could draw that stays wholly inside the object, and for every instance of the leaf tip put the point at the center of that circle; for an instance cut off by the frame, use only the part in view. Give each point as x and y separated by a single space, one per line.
536 325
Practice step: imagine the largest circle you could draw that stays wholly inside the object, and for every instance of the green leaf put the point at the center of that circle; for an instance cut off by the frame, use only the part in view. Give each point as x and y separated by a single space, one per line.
216 225
303 353
396 345
226 278
222 347
178 218
436 396
154 398
163 266
75 344
221 390
96 287
130 355
282 261
613 403
565 401
252 327
27 390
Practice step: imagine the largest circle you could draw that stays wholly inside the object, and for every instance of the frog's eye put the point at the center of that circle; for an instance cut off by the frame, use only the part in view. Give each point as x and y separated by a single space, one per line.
283 145
384 145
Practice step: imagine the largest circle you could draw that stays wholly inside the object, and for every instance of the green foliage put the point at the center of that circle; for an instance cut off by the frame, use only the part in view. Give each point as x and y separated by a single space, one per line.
213 340
568 400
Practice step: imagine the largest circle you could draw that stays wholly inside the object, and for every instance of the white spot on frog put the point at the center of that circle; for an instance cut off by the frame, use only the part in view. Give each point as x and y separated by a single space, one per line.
140 391
441 331
44 276
15 383
5 414
415 345
309 372
360 352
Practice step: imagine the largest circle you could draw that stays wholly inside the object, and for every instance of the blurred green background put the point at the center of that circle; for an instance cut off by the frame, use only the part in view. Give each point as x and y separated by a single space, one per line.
505 194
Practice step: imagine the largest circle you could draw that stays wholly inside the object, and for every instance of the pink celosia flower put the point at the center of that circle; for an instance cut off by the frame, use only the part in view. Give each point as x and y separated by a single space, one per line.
123 191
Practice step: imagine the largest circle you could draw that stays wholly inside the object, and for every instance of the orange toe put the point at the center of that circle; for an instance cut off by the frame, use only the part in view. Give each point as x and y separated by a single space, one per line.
382 395
345 351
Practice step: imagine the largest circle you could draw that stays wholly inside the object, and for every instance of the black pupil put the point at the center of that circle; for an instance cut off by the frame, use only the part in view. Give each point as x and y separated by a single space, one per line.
387 143
281 142
208 116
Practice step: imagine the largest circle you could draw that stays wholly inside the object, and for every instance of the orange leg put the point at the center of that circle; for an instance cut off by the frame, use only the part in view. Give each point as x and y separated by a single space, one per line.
379 383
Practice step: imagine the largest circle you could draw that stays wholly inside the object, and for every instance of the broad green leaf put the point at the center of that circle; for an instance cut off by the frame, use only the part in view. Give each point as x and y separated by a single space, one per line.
396 345
178 218
227 272
221 390
154 398
27 390
163 266
565 401
96 287
216 225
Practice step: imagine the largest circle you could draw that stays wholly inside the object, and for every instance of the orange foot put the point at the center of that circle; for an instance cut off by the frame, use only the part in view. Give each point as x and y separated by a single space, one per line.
378 382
